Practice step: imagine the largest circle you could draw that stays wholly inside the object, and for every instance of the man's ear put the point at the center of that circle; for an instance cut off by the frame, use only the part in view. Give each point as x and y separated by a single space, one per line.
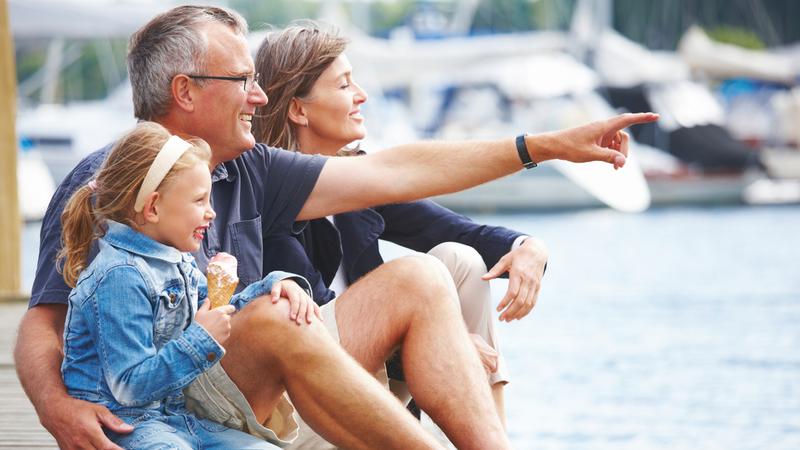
150 209
297 113
183 92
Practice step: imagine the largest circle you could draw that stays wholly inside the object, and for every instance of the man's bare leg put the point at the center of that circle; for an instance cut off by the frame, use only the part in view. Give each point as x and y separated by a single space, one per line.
341 401
410 301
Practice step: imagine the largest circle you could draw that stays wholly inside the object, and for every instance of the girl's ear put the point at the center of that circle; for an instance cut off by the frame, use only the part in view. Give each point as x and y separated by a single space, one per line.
150 209
297 112
182 92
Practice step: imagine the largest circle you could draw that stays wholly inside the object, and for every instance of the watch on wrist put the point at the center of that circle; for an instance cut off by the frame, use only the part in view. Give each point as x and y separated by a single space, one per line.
522 150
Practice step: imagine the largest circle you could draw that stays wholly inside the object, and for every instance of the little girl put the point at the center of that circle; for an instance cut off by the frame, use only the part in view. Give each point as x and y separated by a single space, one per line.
134 336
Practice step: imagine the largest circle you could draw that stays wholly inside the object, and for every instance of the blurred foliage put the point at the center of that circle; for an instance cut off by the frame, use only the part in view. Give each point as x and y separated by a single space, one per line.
660 24
736 36
81 77
497 16
260 14
385 16
504 16
656 24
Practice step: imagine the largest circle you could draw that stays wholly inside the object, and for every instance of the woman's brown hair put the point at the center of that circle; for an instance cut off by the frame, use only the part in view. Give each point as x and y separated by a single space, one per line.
289 62
111 195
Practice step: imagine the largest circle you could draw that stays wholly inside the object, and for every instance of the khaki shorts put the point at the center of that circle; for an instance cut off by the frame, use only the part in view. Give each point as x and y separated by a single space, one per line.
214 396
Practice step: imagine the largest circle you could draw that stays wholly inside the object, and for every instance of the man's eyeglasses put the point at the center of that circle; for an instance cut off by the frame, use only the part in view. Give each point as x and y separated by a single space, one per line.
250 81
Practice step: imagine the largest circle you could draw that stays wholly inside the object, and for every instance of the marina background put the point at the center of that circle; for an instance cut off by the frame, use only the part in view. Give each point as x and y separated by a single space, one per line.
673 328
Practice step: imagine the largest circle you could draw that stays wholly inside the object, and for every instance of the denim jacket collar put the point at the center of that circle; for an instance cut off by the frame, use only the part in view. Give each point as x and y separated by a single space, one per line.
122 236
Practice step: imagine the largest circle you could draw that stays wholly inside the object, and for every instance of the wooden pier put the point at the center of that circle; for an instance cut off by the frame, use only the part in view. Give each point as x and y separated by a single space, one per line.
19 425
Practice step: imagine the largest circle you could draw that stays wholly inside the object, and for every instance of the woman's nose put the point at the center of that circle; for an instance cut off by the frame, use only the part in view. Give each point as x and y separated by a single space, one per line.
361 95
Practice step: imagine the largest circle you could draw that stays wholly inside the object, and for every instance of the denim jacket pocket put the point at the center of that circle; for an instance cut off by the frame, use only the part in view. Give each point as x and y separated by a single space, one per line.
248 247
170 313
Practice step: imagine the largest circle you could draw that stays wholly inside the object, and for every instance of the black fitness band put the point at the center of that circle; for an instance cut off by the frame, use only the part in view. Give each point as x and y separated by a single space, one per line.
524 156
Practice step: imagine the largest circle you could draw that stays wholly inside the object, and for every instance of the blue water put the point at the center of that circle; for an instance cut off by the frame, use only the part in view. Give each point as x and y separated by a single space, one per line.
673 329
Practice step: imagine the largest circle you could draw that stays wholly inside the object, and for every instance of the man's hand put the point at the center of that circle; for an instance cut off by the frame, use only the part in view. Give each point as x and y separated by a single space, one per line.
525 267
301 305
77 424
597 141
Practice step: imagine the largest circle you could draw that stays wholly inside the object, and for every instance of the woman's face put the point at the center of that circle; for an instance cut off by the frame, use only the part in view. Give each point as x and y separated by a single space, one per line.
332 110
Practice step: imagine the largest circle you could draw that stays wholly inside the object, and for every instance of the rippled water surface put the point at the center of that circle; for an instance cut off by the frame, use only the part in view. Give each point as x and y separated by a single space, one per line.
674 329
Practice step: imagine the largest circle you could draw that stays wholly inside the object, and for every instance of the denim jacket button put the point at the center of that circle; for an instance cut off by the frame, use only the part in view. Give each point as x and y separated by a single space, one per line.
211 356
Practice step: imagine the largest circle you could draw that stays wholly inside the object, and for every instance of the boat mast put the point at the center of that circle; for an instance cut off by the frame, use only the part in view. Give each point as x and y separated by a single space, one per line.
10 221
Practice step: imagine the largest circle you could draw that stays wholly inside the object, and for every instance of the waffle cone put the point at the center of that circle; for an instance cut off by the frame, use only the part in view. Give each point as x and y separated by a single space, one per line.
220 289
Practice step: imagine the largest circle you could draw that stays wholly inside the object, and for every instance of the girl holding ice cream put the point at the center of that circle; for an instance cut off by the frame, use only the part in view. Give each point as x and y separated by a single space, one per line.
139 328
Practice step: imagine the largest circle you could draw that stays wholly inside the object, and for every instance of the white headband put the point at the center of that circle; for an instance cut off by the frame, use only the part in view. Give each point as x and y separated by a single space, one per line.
166 158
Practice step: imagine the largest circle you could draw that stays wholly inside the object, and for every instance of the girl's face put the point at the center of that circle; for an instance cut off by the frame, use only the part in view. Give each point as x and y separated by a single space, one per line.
332 110
184 209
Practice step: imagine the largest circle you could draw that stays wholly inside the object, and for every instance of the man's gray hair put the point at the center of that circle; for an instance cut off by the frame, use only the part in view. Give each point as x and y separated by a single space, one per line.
169 45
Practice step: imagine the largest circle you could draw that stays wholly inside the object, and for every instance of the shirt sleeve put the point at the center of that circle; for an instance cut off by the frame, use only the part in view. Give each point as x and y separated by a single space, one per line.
424 224
49 285
136 372
264 287
290 178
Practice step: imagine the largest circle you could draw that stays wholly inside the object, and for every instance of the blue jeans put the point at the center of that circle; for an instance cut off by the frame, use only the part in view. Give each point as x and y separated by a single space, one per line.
184 431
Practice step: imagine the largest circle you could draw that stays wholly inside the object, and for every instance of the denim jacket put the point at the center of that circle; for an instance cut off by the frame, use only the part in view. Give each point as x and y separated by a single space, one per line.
130 340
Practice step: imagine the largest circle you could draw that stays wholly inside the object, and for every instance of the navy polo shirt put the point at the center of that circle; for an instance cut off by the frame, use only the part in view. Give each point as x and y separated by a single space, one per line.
257 196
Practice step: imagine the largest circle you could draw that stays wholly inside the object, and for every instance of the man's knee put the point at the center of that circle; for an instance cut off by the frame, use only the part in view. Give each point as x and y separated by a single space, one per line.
262 320
427 280
460 260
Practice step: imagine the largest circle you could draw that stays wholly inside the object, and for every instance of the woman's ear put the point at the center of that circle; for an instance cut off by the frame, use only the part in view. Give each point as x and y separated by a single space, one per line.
297 112
150 209
182 92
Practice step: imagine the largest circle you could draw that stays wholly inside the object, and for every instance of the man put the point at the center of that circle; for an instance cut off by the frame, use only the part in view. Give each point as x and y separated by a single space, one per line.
192 72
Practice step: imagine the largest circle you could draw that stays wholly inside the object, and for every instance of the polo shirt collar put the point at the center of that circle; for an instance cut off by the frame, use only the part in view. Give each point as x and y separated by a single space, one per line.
221 173
124 237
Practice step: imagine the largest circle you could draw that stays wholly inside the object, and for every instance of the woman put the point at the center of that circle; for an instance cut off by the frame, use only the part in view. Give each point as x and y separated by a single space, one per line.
314 107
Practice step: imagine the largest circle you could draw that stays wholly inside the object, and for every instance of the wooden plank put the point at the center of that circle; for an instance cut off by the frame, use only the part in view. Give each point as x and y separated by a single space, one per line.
10 221
19 425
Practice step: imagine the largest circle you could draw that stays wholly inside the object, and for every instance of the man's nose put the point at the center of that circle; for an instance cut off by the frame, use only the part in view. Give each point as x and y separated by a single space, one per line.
257 96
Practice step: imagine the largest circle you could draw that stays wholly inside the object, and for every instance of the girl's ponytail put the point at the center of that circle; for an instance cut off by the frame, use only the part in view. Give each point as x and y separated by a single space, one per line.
79 228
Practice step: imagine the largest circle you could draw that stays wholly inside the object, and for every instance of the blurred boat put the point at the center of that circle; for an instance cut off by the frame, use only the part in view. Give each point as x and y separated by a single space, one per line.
454 88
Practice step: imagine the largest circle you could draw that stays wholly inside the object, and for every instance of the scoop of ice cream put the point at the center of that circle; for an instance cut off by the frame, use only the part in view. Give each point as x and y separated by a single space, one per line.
222 279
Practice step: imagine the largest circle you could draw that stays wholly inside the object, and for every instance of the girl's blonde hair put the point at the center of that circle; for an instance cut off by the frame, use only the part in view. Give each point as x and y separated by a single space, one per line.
111 195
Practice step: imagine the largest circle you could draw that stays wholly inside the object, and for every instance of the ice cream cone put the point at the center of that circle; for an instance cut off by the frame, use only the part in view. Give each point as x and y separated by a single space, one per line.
222 279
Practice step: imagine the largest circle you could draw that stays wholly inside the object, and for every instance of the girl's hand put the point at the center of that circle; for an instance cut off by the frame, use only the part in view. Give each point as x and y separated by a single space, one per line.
217 321
301 305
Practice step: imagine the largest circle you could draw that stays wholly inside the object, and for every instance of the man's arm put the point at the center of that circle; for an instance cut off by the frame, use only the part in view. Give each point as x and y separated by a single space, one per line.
37 356
424 169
